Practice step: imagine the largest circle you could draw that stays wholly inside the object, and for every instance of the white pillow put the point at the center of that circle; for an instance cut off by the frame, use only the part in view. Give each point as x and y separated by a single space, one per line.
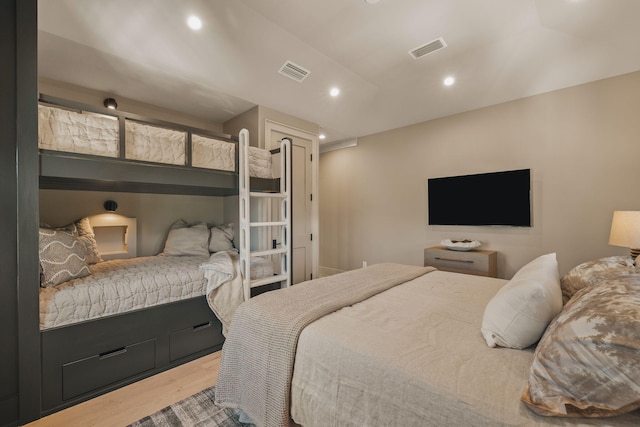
187 240
221 238
519 313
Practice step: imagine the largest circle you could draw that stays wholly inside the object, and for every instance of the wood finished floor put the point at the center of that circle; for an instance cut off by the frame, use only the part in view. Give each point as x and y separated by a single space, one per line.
128 404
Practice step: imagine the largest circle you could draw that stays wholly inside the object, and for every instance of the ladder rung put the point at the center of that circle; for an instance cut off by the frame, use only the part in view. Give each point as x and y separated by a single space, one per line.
269 252
267 223
268 195
268 280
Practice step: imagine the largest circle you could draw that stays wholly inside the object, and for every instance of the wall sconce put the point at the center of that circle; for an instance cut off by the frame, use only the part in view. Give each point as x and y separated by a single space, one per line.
110 103
625 231
110 206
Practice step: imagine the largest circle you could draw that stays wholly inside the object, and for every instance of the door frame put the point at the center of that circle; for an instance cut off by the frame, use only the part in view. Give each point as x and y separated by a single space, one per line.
273 126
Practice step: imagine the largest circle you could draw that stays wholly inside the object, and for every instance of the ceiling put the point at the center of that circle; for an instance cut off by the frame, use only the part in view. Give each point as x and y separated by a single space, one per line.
497 50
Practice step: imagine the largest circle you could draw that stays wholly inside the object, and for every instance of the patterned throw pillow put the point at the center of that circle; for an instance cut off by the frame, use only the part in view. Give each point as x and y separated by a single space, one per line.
592 272
587 363
62 256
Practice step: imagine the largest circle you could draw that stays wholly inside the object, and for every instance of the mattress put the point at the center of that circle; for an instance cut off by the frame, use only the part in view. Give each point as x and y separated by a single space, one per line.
260 268
96 134
414 356
118 286
260 163
212 153
85 133
122 285
155 144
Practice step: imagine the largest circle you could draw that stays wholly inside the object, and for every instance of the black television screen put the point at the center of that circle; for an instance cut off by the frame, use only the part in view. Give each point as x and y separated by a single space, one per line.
497 198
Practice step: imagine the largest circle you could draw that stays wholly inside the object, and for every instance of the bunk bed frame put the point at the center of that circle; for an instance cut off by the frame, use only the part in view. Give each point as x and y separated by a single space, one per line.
72 171
86 359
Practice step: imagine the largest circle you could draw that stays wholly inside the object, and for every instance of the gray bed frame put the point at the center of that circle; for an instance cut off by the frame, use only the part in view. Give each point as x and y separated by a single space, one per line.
86 359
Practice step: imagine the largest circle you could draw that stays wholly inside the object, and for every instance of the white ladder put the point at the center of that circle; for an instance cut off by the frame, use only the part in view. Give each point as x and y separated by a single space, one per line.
283 222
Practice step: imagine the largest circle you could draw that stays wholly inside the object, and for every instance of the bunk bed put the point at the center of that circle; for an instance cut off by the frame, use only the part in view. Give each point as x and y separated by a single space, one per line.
94 149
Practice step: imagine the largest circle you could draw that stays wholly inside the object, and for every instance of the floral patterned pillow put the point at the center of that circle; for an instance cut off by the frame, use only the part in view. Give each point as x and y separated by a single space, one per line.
592 272
587 363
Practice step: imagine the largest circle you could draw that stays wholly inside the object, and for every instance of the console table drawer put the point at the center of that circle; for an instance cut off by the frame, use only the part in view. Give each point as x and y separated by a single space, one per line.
479 262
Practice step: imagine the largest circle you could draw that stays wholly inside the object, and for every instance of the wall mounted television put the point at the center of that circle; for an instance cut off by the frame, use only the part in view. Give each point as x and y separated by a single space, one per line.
497 198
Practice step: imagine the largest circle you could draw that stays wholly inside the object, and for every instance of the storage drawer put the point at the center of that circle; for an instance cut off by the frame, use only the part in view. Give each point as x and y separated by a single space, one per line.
480 263
82 376
187 341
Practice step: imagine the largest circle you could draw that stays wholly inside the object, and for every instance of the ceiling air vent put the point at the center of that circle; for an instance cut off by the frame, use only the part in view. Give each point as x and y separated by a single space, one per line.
428 48
294 71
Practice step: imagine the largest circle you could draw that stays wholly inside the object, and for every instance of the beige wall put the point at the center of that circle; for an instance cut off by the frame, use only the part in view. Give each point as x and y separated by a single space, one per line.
582 145
254 121
249 120
154 212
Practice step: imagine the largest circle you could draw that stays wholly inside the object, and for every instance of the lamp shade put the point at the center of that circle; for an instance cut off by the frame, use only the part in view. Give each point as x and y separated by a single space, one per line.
625 229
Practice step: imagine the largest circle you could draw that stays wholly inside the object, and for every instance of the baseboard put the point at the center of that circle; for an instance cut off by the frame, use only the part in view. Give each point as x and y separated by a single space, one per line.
327 271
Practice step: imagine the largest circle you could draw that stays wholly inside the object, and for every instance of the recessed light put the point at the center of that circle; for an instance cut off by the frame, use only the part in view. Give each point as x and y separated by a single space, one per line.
449 81
371 1
322 136
194 22
334 91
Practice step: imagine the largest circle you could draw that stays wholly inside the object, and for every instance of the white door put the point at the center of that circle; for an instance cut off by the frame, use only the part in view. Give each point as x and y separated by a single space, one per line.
301 232
302 216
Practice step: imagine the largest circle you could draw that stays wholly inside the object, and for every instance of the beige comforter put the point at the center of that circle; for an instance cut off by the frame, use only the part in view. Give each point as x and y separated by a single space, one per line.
414 356
258 355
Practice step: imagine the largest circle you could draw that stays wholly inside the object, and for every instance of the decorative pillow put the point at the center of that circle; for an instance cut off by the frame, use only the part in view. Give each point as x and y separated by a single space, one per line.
187 240
587 364
519 313
592 272
88 238
62 257
221 238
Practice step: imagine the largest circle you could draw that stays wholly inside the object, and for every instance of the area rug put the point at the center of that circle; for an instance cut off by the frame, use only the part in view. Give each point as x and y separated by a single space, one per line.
198 410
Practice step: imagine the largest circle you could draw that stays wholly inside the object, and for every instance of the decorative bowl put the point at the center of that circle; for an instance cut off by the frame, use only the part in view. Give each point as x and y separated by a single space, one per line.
460 244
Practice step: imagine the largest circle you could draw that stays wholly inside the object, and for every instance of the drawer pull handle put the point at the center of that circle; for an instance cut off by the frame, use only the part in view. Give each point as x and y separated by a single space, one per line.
200 327
455 260
112 353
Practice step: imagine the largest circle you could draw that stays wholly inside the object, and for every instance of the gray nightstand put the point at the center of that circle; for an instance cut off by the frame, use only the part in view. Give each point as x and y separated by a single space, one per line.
477 262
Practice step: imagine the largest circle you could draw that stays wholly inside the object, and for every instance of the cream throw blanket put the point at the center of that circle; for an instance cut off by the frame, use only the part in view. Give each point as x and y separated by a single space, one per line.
259 352
223 268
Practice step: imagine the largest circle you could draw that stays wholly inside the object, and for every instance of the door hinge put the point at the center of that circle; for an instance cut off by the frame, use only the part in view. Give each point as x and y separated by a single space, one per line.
311 157
311 197
311 276
311 236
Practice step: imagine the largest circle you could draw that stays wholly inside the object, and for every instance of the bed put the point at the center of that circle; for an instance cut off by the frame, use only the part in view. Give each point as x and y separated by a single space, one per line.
88 148
108 324
415 351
